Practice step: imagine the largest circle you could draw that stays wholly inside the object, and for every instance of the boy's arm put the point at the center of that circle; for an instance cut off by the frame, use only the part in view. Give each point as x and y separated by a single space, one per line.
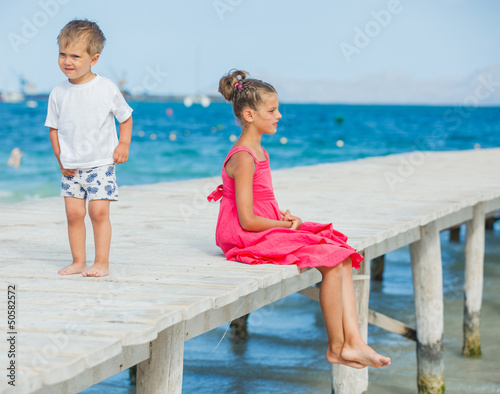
121 151
54 140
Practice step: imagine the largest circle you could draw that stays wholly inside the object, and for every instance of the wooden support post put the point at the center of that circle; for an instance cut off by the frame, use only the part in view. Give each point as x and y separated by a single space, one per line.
491 219
347 380
473 288
239 327
455 234
428 288
377 268
162 372
132 375
490 223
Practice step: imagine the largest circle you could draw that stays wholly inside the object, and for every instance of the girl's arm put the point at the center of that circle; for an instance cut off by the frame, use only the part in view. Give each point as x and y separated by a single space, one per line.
120 154
54 140
241 168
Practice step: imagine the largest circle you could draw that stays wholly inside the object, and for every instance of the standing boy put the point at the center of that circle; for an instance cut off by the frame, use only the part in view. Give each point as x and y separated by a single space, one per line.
81 117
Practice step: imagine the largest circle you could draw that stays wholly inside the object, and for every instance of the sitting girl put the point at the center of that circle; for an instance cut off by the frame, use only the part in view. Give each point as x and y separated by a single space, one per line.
251 228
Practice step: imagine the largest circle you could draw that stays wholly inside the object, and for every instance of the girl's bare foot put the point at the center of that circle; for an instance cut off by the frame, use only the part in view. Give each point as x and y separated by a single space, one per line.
335 358
74 268
97 270
365 355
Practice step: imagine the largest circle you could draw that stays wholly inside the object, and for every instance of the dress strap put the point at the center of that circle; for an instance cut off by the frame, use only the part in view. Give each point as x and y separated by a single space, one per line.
238 149
265 153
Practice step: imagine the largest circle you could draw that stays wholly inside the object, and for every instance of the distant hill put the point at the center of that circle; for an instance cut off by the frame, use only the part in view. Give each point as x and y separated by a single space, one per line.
480 88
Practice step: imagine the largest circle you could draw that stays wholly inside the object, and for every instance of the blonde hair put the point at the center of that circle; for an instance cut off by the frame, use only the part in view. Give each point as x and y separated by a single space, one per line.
243 92
83 30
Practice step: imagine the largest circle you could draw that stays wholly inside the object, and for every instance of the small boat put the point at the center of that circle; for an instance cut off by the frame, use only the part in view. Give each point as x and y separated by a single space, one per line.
12 96
198 99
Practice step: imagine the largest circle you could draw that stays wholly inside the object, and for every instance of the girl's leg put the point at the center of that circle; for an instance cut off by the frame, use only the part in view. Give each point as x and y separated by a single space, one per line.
99 215
355 348
330 298
75 213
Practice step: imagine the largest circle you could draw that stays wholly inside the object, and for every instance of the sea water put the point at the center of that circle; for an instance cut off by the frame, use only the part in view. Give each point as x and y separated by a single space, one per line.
172 142
285 352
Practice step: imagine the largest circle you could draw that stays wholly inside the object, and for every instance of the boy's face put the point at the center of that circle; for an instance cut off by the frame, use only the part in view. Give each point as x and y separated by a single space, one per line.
75 62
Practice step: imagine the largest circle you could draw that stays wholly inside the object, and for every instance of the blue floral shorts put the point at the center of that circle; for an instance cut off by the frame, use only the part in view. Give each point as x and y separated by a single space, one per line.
98 183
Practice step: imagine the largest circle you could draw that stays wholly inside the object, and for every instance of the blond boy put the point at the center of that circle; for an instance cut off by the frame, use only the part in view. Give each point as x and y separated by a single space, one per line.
81 118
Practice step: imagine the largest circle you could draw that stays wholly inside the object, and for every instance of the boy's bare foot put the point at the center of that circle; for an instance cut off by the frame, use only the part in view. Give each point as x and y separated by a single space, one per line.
74 268
336 358
97 270
364 354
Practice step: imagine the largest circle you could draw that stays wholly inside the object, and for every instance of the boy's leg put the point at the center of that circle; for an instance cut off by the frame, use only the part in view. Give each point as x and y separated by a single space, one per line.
355 348
75 213
99 215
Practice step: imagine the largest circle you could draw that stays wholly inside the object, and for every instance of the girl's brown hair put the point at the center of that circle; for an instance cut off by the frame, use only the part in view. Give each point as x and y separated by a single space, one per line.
243 92
84 30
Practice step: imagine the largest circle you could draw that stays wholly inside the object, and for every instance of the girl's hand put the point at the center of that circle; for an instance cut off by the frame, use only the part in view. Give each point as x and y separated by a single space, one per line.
67 172
296 221
284 214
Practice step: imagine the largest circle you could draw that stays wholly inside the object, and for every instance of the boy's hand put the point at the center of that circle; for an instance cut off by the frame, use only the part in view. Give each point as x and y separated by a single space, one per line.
120 154
67 172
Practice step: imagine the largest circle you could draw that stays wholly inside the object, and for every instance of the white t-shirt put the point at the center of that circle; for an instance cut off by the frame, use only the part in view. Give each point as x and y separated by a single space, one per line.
84 117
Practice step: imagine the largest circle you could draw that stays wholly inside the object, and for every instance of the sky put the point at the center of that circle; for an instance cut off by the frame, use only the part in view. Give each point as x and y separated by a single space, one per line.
416 51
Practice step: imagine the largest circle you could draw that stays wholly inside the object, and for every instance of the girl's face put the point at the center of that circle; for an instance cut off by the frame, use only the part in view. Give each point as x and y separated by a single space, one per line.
266 118
75 62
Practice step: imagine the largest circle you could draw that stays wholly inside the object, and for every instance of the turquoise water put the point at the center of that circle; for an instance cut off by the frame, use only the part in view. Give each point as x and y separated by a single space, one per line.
192 142
285 350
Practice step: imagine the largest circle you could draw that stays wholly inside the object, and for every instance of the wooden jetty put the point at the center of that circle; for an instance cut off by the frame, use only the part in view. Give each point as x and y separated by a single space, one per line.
169 282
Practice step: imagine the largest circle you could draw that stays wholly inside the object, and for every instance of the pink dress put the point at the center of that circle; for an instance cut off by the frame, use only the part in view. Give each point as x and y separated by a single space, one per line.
312 246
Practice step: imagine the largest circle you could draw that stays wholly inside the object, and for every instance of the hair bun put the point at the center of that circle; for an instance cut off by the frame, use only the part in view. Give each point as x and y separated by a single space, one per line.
227 84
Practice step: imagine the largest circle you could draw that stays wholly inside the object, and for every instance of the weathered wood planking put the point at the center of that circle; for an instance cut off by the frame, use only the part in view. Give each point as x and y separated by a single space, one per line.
168 279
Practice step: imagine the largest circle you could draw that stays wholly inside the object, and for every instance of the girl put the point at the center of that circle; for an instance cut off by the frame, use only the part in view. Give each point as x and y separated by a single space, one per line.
251 229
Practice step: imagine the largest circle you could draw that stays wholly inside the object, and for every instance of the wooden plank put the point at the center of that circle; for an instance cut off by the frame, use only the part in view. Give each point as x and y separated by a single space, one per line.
392 325
492 204
188 304
242 285
130 356
59 369
59 357
218 294
244 305
40 349
128 333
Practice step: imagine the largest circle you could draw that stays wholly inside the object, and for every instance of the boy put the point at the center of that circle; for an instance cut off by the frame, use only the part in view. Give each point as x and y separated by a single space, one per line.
80 117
